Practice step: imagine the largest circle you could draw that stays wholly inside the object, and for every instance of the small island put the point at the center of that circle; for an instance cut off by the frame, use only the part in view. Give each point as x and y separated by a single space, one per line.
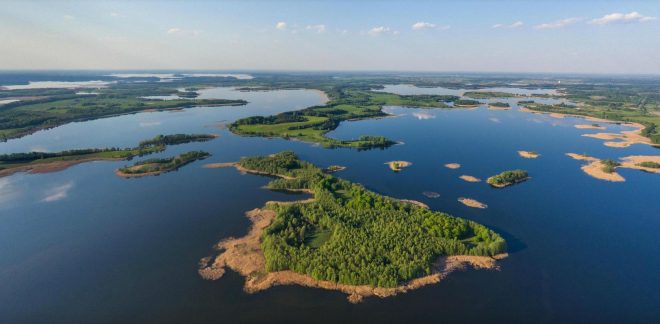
508 178
490 94
472 203
44 162
452 165
467 103
152 167
528 154
397 166
499 106
589 126
469 178
431 194
606 169
346 238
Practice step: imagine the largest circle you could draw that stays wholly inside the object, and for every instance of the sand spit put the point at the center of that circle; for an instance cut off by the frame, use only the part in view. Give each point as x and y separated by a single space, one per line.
472 203
469 178
452 165
633 161
528 154
589 126
595 168
397 166
623 139
244 255
48 167
413 202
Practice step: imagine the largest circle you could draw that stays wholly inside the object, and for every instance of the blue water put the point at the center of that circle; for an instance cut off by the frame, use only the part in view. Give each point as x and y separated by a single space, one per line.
84 245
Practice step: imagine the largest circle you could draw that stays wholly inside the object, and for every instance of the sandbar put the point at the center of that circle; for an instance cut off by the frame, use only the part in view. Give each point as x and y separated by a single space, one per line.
528 154
51 166
633 161
452 165
589 126
469 178
595 168
431 194
472 203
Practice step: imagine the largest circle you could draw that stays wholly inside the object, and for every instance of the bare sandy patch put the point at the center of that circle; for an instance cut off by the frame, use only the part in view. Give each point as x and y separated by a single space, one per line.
469 178
528 154
633 161
452 165
244 255
397 166
595 168
472 203
589 126
491 107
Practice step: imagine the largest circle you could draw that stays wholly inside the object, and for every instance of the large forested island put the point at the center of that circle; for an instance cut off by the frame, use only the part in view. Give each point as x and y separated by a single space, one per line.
346 237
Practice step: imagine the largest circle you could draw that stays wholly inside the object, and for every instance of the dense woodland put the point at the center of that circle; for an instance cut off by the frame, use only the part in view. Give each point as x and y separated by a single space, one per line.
354 236
508 178
164 164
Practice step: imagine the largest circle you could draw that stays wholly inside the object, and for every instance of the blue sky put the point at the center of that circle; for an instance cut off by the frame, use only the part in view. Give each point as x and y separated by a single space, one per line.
489 36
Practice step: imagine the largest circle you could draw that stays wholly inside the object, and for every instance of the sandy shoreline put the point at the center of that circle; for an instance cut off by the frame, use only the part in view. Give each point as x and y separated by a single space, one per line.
452 165
469 178
244 255
588 126
528 154
472 203
397 166
595 168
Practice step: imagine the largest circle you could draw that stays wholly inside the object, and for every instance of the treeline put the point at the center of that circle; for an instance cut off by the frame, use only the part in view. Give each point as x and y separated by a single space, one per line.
175 139
366 238
32 156
164 164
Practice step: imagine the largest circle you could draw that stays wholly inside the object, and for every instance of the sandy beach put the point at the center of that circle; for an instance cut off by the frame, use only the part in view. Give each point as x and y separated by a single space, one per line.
528 154
469 178
472 203
452 165
244 255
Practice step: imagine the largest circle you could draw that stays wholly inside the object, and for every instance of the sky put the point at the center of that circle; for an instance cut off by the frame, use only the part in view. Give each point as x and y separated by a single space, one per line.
468 36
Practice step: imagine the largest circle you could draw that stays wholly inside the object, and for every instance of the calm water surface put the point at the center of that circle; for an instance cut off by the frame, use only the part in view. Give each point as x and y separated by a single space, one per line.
83 245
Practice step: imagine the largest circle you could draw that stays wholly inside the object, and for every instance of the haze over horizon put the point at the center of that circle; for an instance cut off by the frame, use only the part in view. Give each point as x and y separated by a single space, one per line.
475 36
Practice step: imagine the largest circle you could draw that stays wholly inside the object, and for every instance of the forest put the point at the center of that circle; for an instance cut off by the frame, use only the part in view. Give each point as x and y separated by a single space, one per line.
156 166
352 235
508 178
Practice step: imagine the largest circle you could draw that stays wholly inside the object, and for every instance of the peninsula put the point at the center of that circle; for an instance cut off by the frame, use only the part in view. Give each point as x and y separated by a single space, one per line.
44 162
347 238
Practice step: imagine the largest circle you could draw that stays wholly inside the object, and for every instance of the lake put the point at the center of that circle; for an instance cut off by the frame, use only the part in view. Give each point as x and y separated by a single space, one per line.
83 245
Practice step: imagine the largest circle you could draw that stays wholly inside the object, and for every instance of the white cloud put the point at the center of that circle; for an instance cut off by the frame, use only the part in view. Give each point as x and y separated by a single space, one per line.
281 25
559 23
422 25
616 17
183 32
114 14
382 30
318 28
58 193
516 24
69 17
495 120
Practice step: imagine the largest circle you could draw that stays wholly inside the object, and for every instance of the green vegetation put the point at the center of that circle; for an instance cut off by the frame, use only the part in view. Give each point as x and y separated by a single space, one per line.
489 94
54 108
649 164
351 235
157 166
508 178
499 104
313 123
466 103
609 166
156 144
